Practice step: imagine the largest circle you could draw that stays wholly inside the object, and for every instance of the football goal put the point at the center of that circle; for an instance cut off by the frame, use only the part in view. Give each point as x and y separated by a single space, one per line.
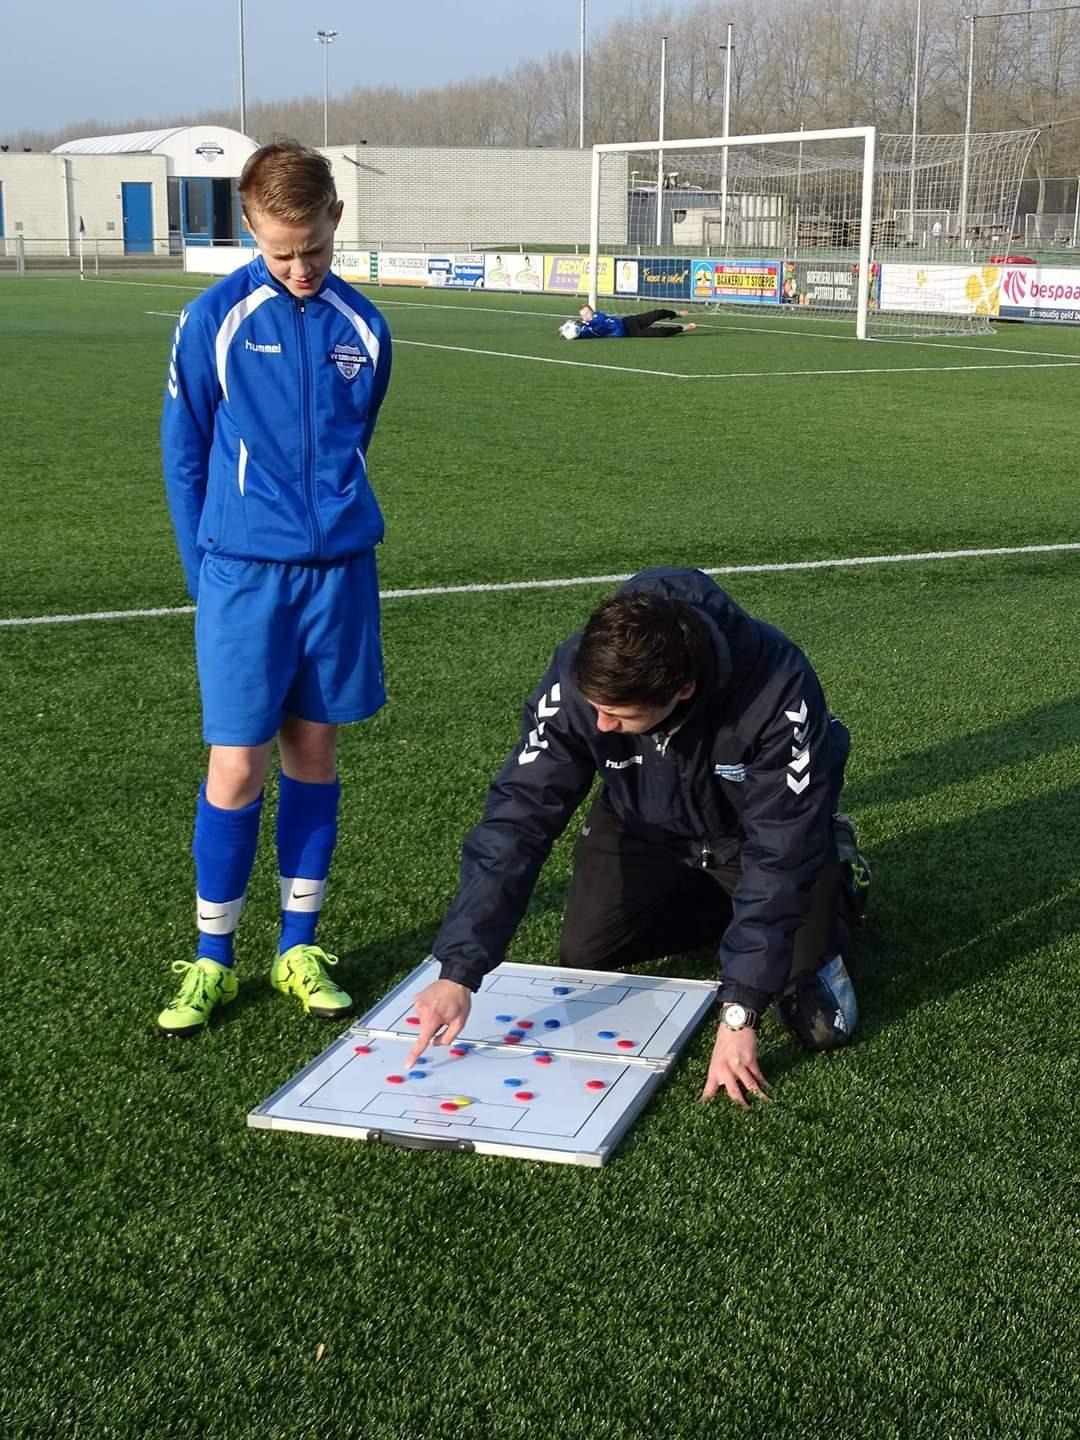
839 225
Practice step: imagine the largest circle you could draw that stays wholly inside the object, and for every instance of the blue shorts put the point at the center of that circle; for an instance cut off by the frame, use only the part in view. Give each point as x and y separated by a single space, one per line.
273 640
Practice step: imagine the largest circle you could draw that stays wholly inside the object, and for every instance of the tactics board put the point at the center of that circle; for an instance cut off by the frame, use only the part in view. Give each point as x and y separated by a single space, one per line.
552 1064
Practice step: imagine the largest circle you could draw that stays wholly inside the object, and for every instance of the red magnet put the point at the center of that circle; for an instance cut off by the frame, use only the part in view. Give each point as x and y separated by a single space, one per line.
594 1084
395 1079
626 1044
362 1049
523 1095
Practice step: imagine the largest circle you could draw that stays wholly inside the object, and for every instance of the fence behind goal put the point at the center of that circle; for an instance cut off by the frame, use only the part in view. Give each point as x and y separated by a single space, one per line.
880 233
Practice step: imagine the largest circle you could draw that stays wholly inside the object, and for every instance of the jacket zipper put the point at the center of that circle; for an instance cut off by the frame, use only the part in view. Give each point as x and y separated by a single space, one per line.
662 741
308 428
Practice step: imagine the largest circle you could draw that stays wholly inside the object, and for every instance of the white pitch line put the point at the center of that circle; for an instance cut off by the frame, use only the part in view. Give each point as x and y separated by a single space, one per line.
547 360
711 325
734 374
987 348
748 374
769 567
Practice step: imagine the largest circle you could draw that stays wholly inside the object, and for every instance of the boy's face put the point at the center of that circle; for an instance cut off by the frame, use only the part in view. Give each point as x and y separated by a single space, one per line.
297 255
586 312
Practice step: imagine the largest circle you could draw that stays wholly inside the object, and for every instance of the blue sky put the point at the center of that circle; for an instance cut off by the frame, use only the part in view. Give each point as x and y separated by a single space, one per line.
120 58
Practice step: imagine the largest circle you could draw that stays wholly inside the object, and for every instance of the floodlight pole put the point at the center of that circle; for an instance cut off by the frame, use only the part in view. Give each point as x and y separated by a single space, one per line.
914 118
326 38
967 131
243 84
660 152
581 82
727 132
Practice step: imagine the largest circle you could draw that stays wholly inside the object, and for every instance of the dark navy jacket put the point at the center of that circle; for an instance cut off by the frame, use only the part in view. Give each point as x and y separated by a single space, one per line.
753 770
269 407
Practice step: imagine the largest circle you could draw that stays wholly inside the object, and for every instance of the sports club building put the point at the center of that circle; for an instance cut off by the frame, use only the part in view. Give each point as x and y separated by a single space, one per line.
151 192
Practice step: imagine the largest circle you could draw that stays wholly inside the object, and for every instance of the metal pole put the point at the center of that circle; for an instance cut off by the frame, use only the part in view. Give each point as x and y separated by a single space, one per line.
594 227
326 38
914 119
581 82
727 132
1076 213
967 131
866 228
660 150
243 82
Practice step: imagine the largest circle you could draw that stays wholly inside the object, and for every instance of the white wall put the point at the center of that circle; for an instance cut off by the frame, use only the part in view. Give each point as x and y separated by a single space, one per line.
216 259
48 193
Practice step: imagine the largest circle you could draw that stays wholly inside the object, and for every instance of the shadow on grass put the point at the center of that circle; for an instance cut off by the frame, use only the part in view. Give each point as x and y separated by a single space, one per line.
1038 734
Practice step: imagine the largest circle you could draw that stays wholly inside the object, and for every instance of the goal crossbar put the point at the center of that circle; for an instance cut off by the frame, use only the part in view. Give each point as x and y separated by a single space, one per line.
866 133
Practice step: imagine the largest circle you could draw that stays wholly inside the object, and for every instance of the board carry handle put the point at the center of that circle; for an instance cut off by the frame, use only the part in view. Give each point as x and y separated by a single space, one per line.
419 1142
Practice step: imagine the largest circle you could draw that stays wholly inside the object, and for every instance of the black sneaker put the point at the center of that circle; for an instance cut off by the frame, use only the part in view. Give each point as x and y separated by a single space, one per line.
856 866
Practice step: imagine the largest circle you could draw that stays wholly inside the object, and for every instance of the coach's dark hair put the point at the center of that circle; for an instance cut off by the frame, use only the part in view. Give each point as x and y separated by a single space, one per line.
639 648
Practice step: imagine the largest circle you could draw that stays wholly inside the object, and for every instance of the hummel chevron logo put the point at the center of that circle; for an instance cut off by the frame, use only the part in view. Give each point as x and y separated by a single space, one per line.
544 710
547 706
173 383
800 750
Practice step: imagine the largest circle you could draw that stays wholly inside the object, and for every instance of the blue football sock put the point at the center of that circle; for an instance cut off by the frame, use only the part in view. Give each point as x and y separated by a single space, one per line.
306 836
224 850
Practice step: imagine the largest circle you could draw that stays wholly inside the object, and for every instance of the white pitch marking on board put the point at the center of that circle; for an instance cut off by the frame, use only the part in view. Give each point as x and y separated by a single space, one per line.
777 567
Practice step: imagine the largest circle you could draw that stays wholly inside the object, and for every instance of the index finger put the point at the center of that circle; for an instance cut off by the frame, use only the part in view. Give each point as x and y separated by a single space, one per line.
429 1028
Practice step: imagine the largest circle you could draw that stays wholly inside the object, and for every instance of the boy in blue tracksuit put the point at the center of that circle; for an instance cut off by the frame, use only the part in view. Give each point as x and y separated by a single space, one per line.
720 769
598 325
275 381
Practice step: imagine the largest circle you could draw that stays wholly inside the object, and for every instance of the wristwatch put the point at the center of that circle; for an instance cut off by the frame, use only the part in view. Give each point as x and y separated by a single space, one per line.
737 1017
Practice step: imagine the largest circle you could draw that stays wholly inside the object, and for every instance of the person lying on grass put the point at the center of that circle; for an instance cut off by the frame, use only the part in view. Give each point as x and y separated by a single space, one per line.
715 822
596 325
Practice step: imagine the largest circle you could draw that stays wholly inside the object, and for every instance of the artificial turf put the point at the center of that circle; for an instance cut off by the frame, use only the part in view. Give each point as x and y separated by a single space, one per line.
888 1249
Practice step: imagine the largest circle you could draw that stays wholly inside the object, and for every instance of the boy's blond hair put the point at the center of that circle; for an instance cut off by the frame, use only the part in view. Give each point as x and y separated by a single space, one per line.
286 181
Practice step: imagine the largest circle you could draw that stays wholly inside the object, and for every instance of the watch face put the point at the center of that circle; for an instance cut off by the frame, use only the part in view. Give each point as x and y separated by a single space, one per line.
735 1016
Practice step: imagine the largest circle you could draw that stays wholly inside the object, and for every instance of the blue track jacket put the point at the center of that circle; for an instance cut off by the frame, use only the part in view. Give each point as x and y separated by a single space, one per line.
602 327
752 767
269 407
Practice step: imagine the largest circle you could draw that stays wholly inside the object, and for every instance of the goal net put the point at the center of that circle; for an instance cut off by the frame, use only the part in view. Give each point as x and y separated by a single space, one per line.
883 233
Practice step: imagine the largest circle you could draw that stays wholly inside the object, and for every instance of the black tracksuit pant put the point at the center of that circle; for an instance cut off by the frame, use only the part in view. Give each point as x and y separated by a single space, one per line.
638 327
631 901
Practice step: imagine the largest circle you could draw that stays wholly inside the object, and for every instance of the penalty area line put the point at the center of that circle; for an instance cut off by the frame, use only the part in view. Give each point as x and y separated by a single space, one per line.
768 567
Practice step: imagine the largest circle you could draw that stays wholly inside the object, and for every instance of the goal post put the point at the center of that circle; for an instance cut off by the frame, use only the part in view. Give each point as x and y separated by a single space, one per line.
861 135
848 226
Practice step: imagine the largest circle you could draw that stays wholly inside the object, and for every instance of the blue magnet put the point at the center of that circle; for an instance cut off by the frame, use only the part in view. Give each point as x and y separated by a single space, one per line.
418 1075
561 990
552 1024
606 1034
513 1082
504 1019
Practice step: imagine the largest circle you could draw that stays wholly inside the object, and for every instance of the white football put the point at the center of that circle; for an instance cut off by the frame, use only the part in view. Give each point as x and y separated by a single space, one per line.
570 330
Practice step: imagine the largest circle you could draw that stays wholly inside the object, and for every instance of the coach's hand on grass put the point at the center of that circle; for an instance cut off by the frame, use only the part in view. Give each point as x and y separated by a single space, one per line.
442 1010
734 1067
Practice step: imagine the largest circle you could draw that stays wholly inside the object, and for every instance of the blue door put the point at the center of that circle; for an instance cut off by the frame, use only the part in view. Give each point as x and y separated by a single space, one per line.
138 217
